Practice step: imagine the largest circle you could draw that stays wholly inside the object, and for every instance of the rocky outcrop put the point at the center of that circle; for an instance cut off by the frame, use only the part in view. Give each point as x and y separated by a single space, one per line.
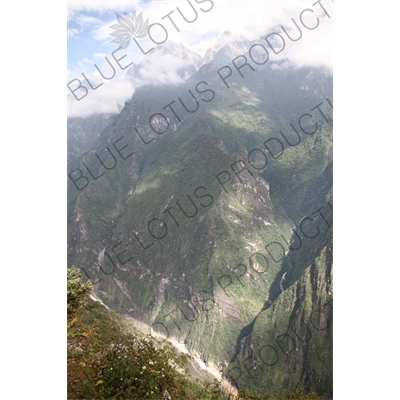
290 341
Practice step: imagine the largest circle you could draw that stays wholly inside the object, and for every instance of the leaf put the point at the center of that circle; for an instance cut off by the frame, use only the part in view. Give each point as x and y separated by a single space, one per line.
120 33
125 43
122 21
115 26
117 40
146 25
141 35
144 31
139 22
131 24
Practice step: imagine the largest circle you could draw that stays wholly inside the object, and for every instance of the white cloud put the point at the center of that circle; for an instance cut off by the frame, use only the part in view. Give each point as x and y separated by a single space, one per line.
76 7
100 55
251 19
73 33
160 70
87 21
103 100
313 49
102 32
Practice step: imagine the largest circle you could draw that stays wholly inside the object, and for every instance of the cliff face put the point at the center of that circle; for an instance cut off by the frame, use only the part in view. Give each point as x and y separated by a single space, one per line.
192 224
290 342
181 269
83 134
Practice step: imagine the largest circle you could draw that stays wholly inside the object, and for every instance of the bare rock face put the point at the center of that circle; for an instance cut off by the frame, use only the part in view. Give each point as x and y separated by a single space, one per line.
191 221
292 337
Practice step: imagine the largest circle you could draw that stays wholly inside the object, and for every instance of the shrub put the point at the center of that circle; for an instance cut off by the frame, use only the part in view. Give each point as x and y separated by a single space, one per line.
77 290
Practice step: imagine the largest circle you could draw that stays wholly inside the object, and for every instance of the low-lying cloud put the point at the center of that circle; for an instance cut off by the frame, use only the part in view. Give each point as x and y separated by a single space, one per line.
252 20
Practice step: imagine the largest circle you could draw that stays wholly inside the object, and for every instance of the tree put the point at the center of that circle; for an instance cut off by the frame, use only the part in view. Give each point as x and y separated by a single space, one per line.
77 290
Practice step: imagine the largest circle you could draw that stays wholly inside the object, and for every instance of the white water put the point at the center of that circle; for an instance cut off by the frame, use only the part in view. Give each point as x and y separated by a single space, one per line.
211 369
146 329
282 279
95 298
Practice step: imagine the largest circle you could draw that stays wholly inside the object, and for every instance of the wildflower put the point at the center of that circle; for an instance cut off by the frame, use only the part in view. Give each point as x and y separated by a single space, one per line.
99 382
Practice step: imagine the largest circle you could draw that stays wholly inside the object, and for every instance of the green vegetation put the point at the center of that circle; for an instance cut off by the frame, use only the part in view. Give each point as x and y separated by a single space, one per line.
76 289
292 338
302 175
108 359
166 281
296 394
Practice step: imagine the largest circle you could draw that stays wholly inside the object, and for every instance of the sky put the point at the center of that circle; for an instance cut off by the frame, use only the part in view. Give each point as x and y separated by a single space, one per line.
38 137
89 43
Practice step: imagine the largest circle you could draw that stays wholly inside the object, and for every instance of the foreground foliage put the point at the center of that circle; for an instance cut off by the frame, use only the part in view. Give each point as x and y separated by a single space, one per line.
77 290
295 394
106 361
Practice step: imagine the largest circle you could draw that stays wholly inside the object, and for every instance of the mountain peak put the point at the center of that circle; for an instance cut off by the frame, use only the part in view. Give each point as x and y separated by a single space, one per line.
228 46
170 63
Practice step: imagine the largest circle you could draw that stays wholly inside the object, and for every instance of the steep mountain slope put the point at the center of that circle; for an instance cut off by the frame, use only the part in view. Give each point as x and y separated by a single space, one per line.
83 134
185 213
202 239
110 356
291 340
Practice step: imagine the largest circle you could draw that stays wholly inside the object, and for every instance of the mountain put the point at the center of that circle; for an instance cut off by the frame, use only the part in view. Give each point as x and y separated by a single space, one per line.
171 63
111 356
83 133
197 210
228 46
290 341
